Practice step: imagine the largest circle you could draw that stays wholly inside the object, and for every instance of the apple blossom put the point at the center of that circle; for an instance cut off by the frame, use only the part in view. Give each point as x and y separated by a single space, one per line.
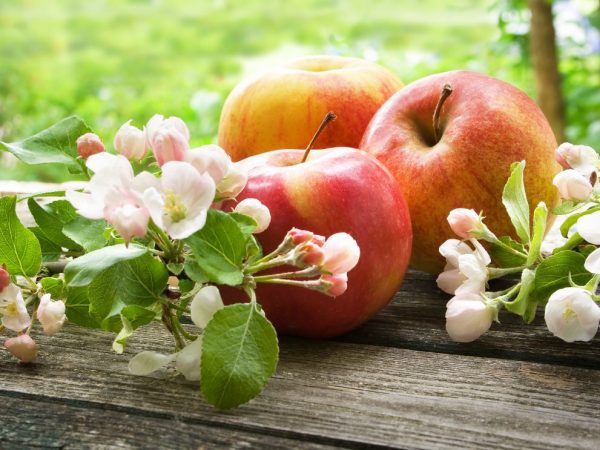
464 221
572 315
130 142
157 122
205 304
233 183
51 314
89 144
126 213
334 285
468 317
466 269
169 144
582 158
572 185
308 254
588 227
22 347
13 309
256 210
179 203
341 253
592 262
4 278
211 159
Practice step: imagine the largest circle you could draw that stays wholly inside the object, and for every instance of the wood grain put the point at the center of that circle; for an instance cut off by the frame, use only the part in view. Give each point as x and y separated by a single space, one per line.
335 393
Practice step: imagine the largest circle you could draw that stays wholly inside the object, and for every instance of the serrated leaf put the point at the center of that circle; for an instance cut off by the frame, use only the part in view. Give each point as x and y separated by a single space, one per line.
540 218
239 355
20 250
83 270
219 248
86 232
567 207
56 144
572 220
247 224
50 250
53 286
194 272
553 274
515 201
131 318
78 308
51 221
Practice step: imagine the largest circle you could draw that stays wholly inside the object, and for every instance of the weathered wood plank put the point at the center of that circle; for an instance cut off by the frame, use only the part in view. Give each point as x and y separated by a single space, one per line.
338 394
33 423
415 320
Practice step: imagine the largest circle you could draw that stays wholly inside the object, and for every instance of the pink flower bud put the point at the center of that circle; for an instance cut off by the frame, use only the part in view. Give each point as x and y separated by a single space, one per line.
341 253
463 222
169 145
89 144
319 240
22 347
572 185
571 156
253 208
334 285
51 315
300 236
130 142
4 278
308 254
158 121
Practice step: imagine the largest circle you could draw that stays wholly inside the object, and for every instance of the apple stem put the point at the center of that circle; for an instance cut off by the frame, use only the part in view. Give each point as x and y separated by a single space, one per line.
329 117
446 91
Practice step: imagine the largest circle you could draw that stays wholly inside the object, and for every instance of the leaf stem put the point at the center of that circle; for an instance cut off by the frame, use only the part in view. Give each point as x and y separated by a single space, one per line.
305 273
258 267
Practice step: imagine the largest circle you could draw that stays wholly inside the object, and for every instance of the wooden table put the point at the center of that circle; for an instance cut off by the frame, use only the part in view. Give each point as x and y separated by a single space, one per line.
396 382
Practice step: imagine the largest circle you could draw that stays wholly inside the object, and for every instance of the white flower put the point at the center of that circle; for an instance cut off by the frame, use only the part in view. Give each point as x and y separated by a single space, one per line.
51 314
205 304
572 315
467 317
341 253
588 227
130 142
464 221
572 185
466 270
211 159
179 203
233 183
157 122
253 208
12 307
582 158
592 262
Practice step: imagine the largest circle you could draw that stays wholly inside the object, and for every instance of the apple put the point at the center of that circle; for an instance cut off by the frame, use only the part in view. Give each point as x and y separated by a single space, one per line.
482 126
334 190
282 107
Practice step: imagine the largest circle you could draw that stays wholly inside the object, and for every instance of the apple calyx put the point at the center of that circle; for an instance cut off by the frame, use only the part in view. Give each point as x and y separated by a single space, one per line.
446 91
329 117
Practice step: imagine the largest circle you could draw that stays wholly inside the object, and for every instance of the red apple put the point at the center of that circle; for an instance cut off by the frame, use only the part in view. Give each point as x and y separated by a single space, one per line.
339 189
282 107
484 126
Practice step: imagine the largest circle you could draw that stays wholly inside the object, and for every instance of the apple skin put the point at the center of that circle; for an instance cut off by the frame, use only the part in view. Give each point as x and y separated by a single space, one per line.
487 125
335 190
283 107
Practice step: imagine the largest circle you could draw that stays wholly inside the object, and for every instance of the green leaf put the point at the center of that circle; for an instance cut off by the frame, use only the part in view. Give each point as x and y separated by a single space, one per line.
56 144
51 221
193 271
572 220
505 258
519 304
50 250
247 224
567 207
239 355
83 270
54 286
553 274
571 243
515 201
131 318
86 232
121 339
219 248
19 248
540 218
78 308
139 281
175 268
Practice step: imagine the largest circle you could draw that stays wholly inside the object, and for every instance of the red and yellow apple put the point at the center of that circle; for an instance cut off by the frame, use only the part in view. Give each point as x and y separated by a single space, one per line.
484 126
335 190
282 107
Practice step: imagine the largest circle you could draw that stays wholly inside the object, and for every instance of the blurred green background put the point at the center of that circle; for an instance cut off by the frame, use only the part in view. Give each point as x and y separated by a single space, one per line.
109 61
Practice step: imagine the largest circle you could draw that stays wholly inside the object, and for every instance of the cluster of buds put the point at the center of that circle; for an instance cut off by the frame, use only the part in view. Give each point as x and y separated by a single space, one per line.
578 180
15 317
328 258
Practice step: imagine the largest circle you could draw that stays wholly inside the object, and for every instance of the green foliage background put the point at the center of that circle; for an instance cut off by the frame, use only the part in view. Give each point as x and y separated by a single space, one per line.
109 61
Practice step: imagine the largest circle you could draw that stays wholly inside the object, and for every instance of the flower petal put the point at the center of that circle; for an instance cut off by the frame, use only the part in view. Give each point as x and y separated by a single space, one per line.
145 363
188 360
205 304
592 262
588 228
